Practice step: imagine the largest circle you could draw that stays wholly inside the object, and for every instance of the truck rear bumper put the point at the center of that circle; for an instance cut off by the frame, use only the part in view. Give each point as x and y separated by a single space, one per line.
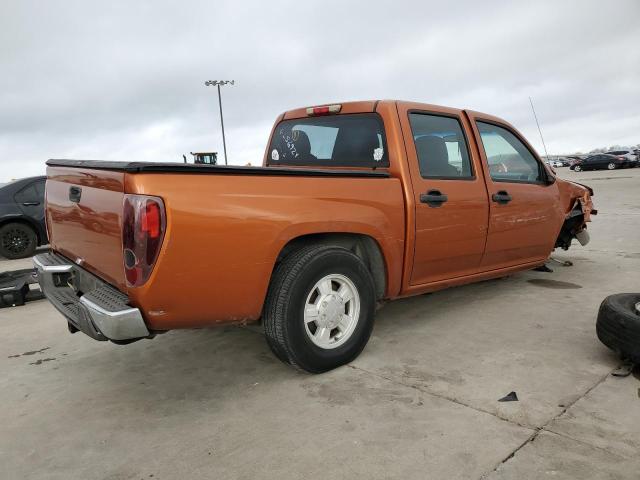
89 304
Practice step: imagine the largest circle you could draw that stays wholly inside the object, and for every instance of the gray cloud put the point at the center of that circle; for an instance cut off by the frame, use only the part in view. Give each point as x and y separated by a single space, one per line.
124 80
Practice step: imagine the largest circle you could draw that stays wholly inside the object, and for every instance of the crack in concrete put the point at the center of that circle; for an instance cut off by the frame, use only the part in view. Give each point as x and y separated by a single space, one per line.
555 417
531 438
536 430
586 444
443 397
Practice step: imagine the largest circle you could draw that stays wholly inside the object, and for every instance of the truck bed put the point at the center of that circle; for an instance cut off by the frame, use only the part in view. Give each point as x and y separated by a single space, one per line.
225 228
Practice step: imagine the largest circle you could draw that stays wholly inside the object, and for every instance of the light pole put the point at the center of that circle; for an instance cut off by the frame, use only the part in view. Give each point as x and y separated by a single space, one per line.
217 83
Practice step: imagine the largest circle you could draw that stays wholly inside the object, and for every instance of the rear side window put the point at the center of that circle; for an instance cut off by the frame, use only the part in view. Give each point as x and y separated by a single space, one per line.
27 194
335 141
509 159
441 146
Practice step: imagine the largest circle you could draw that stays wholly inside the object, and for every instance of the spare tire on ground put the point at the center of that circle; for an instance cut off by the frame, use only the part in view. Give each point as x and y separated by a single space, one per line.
618 325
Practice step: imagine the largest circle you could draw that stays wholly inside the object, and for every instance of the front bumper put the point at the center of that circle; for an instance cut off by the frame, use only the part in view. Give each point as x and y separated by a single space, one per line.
89 304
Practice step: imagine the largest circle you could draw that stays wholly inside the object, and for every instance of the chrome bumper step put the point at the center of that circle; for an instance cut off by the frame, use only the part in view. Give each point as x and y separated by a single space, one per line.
88 303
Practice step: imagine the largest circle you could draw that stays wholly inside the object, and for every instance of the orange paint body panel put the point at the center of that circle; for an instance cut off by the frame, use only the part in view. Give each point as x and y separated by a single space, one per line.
89 230
226 232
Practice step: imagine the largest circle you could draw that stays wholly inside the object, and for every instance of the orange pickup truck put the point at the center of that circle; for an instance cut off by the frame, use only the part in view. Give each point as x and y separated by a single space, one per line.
355 203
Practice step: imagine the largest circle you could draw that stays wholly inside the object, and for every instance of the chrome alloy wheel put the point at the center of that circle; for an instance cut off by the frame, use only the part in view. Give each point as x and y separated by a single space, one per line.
331 311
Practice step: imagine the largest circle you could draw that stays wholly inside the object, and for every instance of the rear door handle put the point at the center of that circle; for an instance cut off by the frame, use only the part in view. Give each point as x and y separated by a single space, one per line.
501 197
30 204
433 198
74 194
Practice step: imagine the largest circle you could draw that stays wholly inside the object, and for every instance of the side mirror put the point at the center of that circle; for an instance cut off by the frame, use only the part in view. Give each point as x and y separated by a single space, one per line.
549 174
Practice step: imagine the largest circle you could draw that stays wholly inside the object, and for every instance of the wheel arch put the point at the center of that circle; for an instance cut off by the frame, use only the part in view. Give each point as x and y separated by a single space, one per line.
362 245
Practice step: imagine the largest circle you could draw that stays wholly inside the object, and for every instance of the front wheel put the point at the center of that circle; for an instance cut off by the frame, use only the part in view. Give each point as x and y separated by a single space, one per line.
17 240
320 308
611 166
577 168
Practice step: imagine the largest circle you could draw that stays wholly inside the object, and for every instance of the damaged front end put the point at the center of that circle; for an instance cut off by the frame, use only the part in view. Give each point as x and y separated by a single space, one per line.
577 198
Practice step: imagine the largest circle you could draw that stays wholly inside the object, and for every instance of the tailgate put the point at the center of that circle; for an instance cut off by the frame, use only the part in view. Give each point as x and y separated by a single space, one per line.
84 218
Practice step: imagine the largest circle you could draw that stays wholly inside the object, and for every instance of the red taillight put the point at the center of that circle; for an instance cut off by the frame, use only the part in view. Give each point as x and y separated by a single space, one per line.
143 226
324 110
151 219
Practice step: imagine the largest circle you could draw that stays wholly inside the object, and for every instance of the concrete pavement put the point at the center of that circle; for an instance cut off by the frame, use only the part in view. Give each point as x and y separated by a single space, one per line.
420 402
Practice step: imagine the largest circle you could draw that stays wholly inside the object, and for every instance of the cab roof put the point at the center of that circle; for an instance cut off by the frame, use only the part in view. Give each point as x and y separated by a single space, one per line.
365 106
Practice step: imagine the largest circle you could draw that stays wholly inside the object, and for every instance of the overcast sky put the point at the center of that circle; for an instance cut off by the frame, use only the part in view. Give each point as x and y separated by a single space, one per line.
125 80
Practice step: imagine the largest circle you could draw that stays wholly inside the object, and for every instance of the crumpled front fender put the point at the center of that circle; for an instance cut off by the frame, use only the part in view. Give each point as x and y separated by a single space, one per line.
578 206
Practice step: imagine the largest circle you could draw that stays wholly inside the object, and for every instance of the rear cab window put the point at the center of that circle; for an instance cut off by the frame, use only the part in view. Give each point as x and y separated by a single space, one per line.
352 140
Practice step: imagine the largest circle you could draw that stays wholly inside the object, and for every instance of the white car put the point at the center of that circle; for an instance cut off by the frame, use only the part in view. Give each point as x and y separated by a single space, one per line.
555 163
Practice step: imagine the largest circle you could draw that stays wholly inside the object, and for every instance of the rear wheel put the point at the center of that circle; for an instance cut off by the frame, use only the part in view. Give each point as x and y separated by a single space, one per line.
611 166
320 308
17 240
577 168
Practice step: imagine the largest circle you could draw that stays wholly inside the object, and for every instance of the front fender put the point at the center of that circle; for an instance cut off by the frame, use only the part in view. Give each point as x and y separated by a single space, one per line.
578 206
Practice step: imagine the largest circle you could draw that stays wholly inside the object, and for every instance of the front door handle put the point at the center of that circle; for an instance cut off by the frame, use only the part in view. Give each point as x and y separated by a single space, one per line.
433 198
30 204
501 197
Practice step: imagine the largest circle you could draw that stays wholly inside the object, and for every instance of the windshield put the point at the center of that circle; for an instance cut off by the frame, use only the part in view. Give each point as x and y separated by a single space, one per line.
336 141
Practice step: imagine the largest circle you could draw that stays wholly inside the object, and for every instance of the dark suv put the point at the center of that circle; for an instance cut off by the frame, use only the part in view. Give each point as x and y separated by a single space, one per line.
22 226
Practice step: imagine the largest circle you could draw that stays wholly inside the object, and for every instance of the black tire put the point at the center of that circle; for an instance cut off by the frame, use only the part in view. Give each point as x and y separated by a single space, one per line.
292 282
611 166
577 168
17 240
618 325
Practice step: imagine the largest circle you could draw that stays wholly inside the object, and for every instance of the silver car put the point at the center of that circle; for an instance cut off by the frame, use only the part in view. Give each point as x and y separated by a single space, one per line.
628 154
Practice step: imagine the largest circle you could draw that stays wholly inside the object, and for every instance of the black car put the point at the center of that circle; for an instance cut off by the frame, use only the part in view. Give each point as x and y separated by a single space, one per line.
600 161
22 226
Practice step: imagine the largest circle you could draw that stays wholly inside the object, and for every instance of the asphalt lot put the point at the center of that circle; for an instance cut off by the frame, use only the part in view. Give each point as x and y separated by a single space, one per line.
420 402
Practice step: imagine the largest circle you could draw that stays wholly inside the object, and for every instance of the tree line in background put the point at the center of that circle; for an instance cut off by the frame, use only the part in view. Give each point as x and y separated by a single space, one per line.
612 148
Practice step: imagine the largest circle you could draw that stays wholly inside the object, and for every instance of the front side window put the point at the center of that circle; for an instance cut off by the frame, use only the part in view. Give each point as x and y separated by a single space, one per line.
509 160
336 141
440 146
